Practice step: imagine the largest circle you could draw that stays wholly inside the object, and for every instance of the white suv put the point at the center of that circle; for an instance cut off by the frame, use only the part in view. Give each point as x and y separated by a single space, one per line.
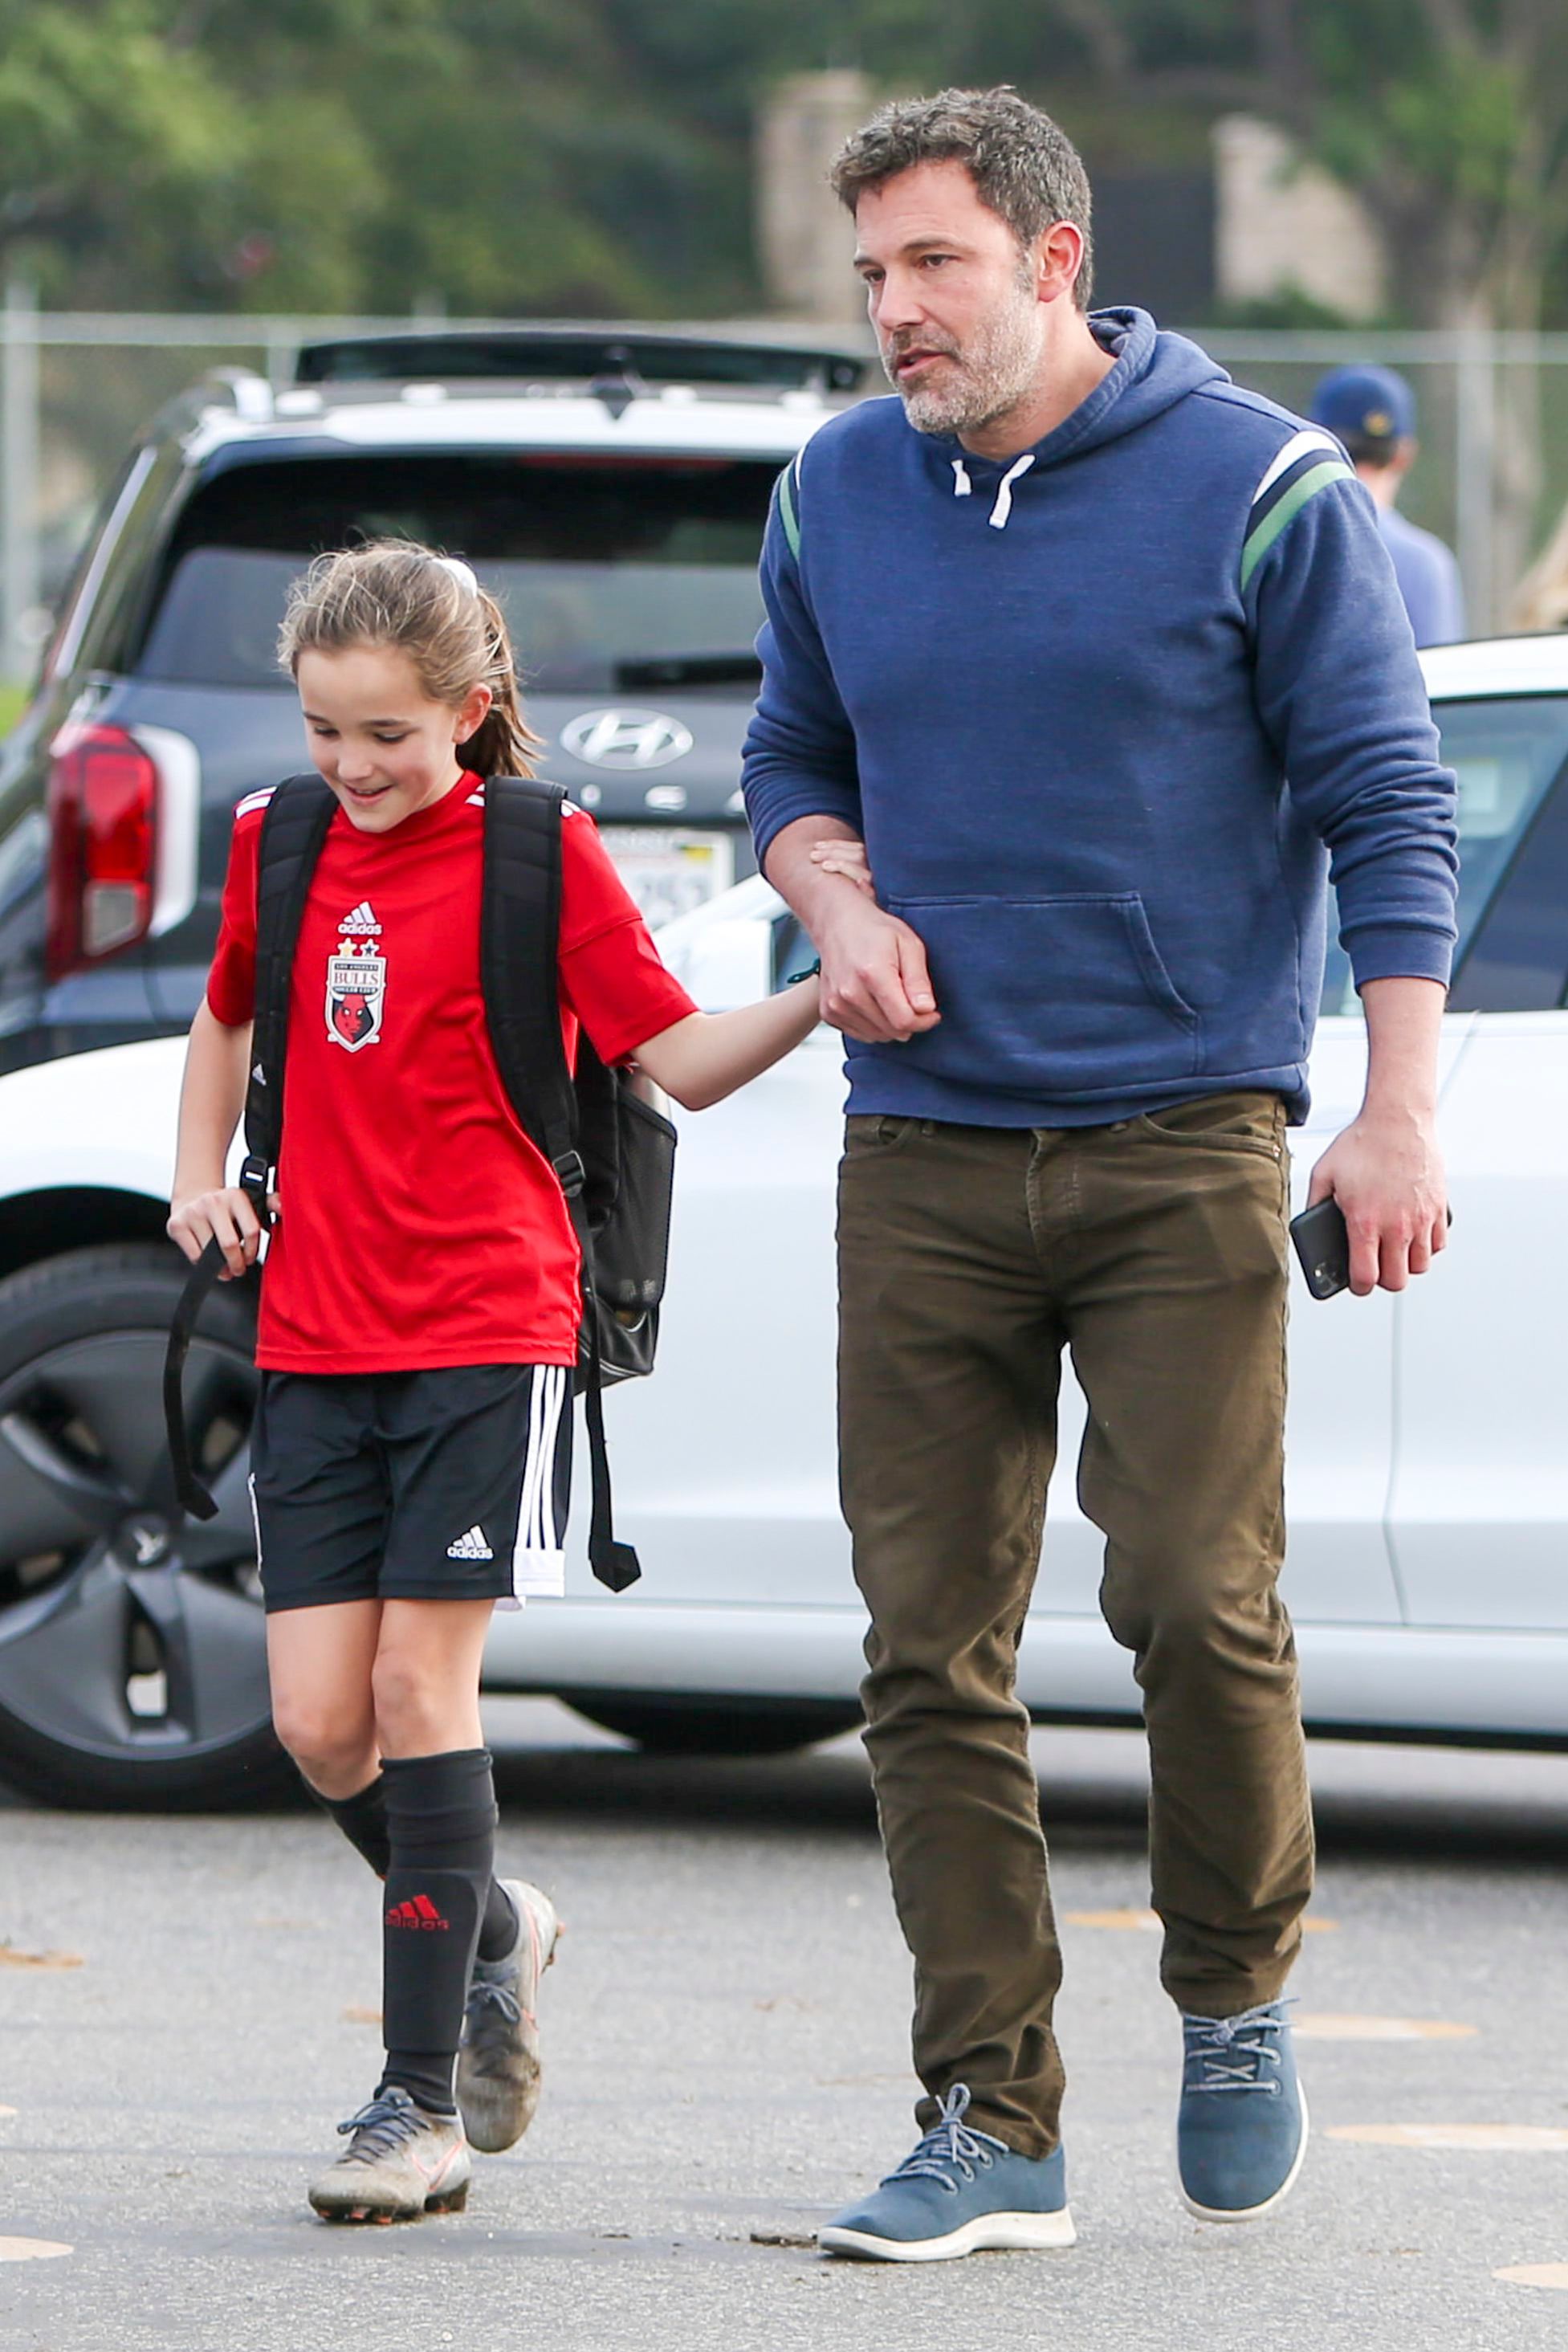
1427 1475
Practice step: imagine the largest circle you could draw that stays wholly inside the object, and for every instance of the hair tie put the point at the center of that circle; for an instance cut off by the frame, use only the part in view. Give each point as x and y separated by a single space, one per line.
462 572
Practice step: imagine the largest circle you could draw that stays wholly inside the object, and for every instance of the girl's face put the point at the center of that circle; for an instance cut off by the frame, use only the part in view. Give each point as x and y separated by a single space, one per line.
375 735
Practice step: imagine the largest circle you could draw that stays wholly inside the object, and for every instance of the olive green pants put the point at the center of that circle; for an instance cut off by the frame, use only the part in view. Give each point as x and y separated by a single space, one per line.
968 1258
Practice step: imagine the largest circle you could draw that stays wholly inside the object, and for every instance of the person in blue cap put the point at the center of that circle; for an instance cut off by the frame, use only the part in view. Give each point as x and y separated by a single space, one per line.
1373 411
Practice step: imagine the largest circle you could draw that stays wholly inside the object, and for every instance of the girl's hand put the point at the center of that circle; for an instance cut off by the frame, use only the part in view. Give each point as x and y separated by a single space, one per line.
848 858
223 1213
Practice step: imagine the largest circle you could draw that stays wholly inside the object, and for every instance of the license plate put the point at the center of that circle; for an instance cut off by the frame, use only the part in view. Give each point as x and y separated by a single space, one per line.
669 872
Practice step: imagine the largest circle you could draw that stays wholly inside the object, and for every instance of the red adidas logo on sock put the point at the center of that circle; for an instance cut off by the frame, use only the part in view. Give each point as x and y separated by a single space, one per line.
421 1913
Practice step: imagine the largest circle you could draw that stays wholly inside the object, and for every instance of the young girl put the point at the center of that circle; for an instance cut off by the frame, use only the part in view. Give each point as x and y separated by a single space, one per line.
419 1319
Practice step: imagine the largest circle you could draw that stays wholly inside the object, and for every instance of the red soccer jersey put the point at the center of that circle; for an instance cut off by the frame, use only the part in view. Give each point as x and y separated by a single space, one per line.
420 1226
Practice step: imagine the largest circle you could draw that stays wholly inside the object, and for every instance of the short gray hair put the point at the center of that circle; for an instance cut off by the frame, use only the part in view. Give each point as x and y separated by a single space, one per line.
1024 167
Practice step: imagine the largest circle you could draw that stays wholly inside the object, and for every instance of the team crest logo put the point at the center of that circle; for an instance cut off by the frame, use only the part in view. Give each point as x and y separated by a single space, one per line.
356 982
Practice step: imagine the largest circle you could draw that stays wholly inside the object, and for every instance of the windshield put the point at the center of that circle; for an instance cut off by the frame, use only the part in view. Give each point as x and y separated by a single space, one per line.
612 572
1505 749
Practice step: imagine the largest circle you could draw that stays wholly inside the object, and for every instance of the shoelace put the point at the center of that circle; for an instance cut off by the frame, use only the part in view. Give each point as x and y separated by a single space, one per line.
950 2145
483 1996
1234 2054
386 2121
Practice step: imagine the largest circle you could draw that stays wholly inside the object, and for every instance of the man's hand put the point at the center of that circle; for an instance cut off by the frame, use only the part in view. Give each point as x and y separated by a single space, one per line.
1387 1173
1385 1170
876 986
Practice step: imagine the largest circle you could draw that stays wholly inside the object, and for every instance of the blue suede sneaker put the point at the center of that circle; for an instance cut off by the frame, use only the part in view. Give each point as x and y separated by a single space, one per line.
956 2192
1241 2131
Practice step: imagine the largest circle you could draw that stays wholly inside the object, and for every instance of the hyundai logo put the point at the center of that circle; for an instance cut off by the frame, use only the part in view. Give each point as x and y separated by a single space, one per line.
638 740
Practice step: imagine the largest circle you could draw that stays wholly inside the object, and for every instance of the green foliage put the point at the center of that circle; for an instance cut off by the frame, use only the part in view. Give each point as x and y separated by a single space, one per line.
595 155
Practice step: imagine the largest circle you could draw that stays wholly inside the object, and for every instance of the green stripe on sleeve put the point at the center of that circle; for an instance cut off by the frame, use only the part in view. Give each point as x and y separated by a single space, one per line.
1333 469
787 511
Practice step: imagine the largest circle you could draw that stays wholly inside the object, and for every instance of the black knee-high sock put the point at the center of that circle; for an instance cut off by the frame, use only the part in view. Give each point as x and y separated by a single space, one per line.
362 1818
441 1819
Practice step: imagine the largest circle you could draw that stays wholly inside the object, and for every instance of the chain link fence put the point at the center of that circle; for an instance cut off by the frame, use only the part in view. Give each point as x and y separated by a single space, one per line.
1491 479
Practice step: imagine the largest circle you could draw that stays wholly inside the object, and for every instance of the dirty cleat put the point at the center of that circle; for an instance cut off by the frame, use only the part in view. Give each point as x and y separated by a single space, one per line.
399 2164
957 2192
498 2063
1241 2132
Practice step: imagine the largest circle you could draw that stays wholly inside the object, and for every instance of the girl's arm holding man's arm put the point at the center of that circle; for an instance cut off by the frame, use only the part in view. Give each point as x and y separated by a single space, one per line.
707 1055
218 1065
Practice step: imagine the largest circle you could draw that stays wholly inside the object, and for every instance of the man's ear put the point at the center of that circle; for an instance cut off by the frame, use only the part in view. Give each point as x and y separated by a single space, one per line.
1059 256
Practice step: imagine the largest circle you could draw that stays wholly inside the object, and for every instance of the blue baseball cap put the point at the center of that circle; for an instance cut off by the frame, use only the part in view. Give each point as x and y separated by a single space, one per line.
1369 403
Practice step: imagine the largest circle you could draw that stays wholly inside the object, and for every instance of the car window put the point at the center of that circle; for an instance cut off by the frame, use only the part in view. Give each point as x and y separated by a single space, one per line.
614 573
1506 752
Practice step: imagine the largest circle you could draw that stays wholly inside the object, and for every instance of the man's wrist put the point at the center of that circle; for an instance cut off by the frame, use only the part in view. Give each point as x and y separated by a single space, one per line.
1394 1103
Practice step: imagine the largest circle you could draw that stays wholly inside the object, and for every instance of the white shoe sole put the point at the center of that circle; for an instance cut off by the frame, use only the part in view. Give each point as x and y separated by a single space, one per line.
991 2233
1254 2212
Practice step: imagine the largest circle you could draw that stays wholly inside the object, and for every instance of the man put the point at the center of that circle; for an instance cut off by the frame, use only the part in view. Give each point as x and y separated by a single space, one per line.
1046 632
1372 411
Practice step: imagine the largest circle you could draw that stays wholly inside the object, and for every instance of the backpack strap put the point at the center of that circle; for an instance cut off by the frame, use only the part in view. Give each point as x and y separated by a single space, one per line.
519 933
519 939
292 832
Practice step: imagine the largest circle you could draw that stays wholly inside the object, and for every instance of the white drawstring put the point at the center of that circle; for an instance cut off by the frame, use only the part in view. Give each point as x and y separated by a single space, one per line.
997 517
962 485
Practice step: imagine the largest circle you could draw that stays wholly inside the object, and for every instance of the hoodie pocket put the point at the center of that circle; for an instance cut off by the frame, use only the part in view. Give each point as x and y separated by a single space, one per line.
1051 997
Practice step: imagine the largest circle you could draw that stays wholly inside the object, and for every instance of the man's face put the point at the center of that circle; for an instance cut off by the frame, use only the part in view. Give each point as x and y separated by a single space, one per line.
954 300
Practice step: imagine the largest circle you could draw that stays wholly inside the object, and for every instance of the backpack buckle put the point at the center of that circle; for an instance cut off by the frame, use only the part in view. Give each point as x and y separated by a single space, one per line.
570 1173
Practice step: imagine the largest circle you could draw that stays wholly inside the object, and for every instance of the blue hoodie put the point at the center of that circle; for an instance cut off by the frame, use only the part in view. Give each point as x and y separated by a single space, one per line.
1059 698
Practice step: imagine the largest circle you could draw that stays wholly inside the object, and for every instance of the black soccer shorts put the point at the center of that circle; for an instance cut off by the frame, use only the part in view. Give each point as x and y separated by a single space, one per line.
449 1484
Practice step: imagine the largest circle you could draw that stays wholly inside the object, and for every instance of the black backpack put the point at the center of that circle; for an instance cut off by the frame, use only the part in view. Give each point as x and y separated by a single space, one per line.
613 1153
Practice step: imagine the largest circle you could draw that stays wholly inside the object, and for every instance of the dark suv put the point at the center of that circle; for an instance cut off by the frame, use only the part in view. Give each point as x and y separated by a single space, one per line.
609 488
612 489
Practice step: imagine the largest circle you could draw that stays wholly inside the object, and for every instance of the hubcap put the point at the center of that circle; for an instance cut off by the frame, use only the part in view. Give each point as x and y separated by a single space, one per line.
120 1636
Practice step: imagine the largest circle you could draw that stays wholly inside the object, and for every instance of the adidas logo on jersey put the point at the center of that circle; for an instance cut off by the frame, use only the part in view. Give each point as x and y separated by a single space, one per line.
361 920
471 1545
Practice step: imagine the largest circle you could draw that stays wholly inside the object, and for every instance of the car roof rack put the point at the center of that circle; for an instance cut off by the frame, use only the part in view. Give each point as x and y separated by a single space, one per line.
616 361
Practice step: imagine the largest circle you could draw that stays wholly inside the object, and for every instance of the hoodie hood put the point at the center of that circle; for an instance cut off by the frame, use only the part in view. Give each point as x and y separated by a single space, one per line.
1152 371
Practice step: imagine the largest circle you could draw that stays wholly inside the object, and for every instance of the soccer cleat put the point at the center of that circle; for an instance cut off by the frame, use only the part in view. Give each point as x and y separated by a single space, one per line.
498 2063
958 2191
1241 2131
399 2163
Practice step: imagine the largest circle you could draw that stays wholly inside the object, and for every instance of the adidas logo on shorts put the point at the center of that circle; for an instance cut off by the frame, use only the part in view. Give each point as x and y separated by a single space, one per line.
471 1545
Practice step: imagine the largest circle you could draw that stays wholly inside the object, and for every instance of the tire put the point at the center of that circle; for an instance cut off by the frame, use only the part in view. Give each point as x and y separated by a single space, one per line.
132 1651
669 1724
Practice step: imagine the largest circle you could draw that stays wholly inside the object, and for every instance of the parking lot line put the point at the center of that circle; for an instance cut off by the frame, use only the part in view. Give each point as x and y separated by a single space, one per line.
1520 2139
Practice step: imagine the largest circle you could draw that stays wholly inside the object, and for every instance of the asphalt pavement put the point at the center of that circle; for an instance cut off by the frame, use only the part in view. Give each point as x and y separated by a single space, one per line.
188 2005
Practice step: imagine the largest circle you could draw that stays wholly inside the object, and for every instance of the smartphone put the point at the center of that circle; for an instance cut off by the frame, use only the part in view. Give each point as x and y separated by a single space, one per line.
1323 1245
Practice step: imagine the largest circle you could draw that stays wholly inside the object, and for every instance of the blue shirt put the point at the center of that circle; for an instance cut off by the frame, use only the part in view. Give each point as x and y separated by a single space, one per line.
1428 579
1059 700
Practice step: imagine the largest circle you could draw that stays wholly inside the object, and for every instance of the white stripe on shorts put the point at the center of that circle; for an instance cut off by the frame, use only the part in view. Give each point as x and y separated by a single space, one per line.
538 1557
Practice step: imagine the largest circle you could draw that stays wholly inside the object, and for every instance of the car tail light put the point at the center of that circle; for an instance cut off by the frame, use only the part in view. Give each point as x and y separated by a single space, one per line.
103 839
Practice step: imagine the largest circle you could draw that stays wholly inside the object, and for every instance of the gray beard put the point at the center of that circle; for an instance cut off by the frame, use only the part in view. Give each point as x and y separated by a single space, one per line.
993 376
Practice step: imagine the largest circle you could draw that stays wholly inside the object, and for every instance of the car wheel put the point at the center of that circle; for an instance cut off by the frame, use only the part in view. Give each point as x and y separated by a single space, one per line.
132 1653
671 1725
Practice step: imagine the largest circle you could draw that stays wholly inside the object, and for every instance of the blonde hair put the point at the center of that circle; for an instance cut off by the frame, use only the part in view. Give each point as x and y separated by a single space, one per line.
397 594
1541 599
